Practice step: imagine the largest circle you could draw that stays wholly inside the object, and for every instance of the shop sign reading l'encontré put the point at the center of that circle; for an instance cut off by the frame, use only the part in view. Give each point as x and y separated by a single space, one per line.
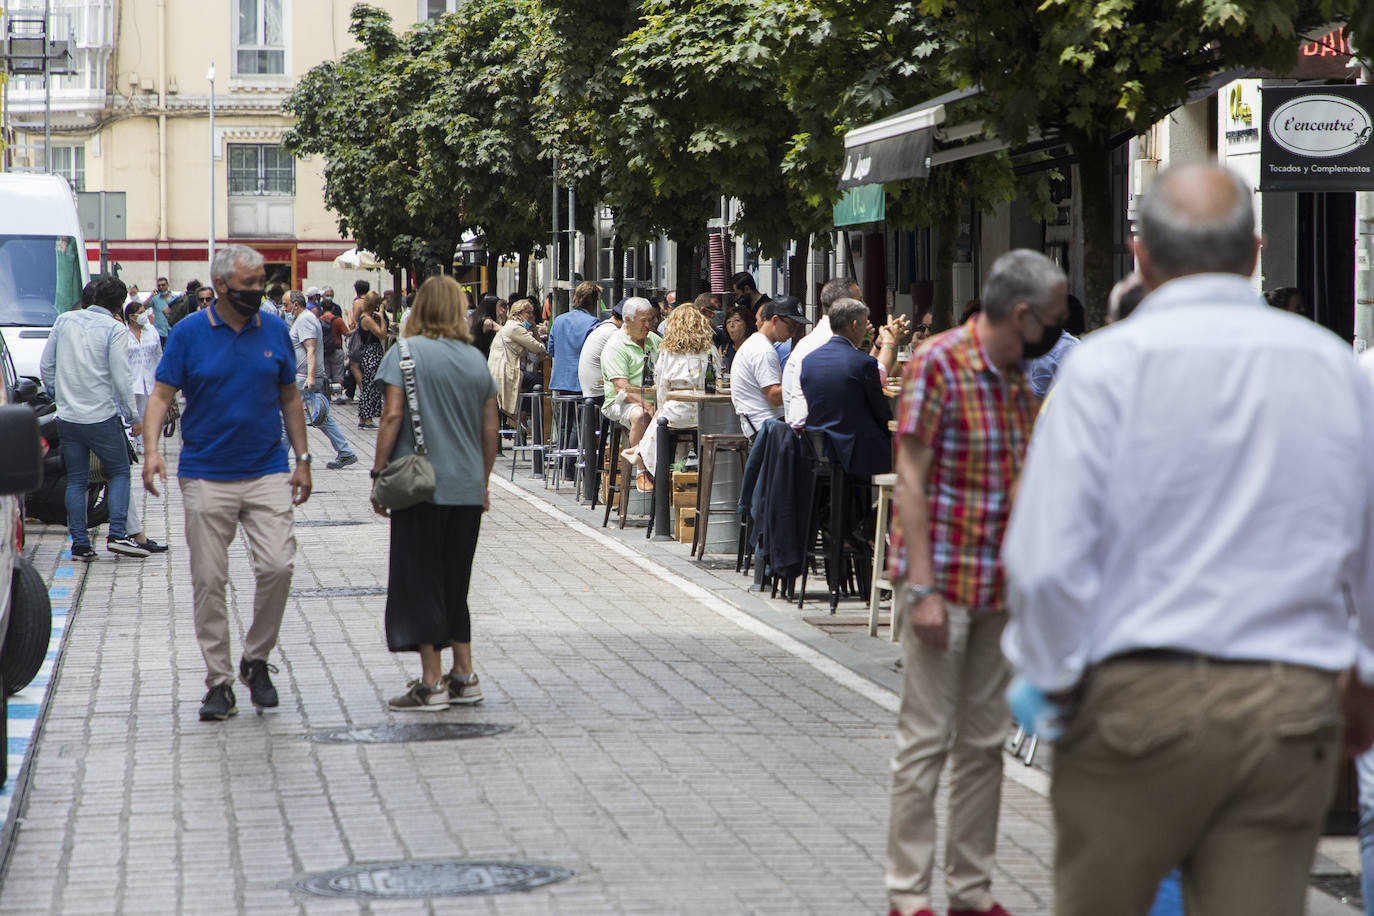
1318 139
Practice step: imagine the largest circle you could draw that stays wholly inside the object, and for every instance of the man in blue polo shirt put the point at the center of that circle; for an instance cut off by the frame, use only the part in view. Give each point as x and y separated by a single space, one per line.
238 372
566 337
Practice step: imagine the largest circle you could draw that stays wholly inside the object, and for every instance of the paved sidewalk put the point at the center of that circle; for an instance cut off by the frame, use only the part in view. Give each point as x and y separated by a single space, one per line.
679 752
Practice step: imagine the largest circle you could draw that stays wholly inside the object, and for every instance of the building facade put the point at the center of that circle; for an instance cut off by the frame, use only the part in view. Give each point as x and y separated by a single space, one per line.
134 114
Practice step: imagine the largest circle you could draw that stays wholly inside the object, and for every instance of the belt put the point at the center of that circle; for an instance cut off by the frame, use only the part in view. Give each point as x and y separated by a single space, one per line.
1178 656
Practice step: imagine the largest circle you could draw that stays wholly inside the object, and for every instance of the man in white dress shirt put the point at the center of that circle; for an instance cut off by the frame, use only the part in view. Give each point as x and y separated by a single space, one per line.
793 399
1190 543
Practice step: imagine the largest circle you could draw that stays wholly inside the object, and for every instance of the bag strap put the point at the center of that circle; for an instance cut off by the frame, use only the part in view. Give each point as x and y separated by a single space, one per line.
412 396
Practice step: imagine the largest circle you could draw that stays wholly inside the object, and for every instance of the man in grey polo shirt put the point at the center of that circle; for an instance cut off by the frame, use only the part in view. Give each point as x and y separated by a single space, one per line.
307 338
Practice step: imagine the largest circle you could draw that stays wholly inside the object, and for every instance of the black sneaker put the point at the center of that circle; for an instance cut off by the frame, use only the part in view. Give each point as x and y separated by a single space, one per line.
343 462
126 546
85 552
153 546
218 704
260 689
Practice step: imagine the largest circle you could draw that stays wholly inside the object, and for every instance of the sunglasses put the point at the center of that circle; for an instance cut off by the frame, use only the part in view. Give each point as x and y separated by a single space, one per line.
205 298
922 328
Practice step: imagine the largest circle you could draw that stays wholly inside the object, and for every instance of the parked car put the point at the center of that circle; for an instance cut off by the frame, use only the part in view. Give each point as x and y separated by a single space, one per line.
25 610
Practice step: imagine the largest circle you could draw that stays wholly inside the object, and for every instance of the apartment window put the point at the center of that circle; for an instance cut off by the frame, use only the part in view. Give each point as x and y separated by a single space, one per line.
430 10
261 46
262 189
70 163
260 168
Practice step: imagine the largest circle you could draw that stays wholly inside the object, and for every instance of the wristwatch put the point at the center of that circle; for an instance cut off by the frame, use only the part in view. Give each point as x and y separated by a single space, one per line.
303 458
914 594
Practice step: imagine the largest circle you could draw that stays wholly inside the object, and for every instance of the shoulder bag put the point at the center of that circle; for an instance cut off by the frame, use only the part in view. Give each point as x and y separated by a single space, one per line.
409 480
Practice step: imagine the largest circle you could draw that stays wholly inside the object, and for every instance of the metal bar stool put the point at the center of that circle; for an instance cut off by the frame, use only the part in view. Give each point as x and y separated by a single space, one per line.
536 441
881 579
567 412
712 445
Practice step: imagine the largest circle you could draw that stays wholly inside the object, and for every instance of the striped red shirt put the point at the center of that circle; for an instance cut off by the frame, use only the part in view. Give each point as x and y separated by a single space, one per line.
977 423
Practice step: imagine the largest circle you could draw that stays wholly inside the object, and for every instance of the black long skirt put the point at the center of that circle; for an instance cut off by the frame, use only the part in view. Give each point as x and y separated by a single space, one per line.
431 566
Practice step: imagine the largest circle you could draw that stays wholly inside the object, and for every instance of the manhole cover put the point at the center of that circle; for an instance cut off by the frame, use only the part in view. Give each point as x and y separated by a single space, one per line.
452 878
401 734
339 592
327 523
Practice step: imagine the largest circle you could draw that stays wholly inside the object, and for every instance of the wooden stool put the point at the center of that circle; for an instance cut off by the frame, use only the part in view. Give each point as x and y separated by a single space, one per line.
711 445
615 485
881 580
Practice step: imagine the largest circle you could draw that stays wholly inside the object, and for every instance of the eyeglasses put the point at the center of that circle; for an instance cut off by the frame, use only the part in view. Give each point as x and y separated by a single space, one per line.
205 298
923 328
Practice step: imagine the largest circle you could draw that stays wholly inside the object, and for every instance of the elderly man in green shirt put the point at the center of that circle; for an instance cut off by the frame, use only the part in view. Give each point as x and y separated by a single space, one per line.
628 353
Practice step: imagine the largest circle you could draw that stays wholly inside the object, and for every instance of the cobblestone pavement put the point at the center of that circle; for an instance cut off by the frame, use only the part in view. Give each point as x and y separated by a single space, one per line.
675 750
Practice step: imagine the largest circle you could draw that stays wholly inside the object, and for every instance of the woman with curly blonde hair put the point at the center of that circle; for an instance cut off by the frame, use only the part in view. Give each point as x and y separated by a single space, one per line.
682 360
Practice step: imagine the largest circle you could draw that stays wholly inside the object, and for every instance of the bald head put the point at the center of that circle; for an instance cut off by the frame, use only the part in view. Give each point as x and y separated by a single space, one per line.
1196 219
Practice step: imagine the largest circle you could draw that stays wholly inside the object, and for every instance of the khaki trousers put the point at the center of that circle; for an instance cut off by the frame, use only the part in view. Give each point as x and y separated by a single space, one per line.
952 706
1223 770
214 511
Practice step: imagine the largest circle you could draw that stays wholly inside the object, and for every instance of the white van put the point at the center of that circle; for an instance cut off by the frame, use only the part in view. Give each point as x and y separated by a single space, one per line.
42 262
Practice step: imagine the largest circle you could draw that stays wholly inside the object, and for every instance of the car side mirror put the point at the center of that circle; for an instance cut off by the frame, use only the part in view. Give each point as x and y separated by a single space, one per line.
25 391
21 460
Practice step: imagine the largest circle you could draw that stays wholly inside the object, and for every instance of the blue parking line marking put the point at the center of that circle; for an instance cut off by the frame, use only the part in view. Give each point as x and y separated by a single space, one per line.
65 572
59 592
23 710
18 745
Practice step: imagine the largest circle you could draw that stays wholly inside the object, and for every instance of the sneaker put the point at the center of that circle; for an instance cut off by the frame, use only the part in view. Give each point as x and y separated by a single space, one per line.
126 546
420 697
218 704
153 546
342 462
461 692
83 552
260 689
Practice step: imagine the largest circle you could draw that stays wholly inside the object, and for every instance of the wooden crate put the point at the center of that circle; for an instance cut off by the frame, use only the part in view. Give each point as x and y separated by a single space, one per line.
686 525
685 489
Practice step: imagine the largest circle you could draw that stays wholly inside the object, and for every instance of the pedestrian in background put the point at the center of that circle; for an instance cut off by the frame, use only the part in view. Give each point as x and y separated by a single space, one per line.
372 325
237 370
434 542
307 342
145 350
85 364
508 348
963 424
1190 571
486 320
158 304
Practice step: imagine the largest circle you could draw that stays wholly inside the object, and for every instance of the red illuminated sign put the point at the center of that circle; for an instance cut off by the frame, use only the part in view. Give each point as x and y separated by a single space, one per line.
1333 44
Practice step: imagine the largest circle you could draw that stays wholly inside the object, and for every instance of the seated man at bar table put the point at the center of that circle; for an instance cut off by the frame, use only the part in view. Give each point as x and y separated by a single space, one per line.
844 394
756 373
628 353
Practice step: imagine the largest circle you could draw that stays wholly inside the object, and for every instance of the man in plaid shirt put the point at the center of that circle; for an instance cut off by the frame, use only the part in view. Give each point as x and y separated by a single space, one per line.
963 425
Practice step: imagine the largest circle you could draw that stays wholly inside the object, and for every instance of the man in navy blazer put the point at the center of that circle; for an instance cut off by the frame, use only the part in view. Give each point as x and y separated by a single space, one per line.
844 395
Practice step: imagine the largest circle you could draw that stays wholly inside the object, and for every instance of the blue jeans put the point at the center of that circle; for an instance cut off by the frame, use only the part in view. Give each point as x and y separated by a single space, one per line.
328 427
1364 769
106 440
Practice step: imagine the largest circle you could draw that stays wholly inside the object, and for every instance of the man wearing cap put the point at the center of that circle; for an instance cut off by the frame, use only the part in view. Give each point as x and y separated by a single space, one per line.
756 373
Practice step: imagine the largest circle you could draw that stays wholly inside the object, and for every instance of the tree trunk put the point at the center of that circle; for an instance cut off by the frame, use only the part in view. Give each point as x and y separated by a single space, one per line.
944 309
522 276
1095 186
493 263
617 268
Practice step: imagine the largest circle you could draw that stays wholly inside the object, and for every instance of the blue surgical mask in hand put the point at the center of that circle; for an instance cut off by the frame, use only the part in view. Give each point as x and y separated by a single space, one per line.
1035 712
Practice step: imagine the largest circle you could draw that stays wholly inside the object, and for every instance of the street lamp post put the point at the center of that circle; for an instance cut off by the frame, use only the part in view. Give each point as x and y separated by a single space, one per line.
210 248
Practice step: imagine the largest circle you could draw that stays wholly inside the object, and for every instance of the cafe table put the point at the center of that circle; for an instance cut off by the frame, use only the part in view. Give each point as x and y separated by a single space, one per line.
716 414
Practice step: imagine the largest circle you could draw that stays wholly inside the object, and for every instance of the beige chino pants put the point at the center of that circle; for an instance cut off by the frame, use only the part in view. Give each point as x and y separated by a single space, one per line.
952 706
1223 770
215 509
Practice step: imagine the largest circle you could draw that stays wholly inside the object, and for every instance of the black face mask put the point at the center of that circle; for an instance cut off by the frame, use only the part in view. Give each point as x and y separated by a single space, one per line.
1049 336
245 301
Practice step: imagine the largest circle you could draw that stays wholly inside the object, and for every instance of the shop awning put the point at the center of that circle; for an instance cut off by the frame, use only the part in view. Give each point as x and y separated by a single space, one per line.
896 147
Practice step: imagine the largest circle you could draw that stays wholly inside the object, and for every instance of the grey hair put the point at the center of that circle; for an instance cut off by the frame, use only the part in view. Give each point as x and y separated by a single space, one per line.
633 306
231 256
1018 276
846 311
834 290
297 298
1180 243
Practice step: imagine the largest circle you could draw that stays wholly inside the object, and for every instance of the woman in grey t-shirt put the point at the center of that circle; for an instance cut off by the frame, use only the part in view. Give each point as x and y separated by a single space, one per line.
433 543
